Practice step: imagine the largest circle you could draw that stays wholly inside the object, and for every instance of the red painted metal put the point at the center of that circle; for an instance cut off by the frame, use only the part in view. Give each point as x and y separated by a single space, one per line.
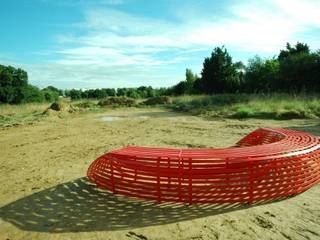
269 163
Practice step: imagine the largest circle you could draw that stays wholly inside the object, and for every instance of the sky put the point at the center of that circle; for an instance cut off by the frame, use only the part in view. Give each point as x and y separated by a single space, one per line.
129 43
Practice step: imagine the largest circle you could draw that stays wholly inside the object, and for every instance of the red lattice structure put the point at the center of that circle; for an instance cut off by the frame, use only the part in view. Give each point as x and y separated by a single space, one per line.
267 164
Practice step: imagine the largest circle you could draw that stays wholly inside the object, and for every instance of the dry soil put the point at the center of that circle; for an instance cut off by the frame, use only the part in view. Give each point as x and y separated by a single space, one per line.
44 192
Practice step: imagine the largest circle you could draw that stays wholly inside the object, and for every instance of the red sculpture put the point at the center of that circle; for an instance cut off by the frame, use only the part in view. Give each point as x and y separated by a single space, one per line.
269 163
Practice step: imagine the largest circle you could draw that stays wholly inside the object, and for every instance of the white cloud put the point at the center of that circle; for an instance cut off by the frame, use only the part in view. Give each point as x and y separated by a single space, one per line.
97 76
111 41
255 26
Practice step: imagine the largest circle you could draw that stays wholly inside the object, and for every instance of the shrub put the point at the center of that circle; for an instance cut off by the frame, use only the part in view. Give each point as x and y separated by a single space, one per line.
117 101
86 104
243 112
50 96
291 114
157 100
32 94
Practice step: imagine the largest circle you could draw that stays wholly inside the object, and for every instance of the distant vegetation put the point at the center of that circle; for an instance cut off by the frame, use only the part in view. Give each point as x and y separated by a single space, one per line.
283 87
140 92
15 89
296 69
263 106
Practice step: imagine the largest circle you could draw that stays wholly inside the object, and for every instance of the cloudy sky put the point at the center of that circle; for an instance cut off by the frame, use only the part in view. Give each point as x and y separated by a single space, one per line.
129 43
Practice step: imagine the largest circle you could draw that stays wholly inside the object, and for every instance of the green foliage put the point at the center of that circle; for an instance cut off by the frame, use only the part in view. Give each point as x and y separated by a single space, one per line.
295 70
157 100
14 88
184 87
219 74
190 79
75 94
13 82
261 75
140 92
243 112
117 101
300 72
180 89
132 93
299 48
270 106
50 95
32 94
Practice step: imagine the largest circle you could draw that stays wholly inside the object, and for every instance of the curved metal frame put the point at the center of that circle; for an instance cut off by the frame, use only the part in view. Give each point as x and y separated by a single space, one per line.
269 163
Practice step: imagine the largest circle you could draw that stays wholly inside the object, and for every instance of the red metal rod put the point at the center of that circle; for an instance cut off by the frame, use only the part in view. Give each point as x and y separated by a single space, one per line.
269 163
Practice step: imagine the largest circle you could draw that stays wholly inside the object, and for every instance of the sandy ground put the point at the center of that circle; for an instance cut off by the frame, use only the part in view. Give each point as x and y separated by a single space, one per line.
44 193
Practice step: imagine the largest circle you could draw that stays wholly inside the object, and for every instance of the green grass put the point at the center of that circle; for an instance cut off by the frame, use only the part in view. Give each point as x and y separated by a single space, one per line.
241 106
12 115
272 106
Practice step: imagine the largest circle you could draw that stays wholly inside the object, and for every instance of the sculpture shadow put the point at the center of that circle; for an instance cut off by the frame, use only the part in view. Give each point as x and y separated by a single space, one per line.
78 206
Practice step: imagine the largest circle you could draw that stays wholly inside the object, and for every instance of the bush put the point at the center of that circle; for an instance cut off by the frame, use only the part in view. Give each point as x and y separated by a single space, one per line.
157 100
75 94
32 94
244 112
117 101
291 114
50 96
13 82
86 104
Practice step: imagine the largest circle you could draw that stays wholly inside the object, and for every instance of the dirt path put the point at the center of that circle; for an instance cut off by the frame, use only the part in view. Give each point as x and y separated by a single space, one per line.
44 193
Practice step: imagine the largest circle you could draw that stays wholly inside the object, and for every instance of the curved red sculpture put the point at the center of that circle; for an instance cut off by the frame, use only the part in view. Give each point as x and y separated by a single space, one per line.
269 163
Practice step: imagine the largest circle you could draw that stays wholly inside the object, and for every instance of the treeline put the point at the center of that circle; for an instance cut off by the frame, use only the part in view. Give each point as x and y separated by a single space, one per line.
295 69
15 89
140 92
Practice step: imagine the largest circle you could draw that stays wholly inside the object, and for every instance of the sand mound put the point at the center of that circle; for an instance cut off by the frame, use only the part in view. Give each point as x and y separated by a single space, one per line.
57 107
50 112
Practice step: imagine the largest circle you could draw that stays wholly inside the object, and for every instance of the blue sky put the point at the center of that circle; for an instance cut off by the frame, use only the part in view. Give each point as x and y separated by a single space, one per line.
129 43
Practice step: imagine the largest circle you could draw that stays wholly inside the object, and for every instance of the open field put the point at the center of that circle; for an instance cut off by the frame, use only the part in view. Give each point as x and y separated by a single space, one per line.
235 106
44 193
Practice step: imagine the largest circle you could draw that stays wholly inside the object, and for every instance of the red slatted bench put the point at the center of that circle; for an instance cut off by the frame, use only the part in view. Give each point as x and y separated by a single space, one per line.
267 164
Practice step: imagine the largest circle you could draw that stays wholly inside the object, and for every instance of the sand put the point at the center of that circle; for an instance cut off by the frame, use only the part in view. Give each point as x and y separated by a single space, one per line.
44 192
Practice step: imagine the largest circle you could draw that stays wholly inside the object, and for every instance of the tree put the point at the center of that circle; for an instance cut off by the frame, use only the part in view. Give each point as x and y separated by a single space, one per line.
110 92
75 94
300 72
51 93
12 82
32 94
190 79
297 49
132 93
299 68
261 75
121 92
180 88
219 74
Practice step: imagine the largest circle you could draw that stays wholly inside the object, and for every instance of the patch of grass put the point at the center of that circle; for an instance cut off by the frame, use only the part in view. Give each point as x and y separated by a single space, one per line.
264 106
87 105
13 115
243 112
157 100
117 101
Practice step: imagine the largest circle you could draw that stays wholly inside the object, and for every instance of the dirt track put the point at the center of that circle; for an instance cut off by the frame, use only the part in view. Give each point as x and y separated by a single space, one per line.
44 193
